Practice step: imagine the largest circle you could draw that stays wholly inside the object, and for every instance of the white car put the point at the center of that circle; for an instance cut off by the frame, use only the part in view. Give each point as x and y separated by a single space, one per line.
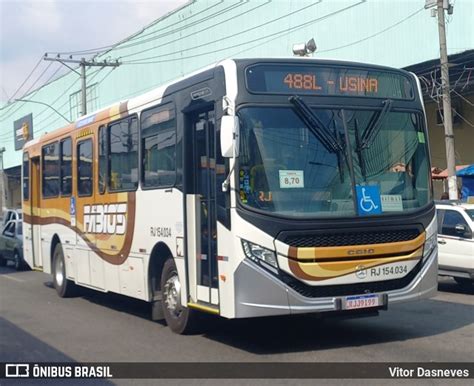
456 242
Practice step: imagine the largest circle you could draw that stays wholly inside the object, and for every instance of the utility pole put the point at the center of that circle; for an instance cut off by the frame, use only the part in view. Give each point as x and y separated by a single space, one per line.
83 86
82 63
3 198
447 112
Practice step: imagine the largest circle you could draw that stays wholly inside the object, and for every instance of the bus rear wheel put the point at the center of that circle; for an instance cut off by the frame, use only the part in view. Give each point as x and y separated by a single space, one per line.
64 287
179 318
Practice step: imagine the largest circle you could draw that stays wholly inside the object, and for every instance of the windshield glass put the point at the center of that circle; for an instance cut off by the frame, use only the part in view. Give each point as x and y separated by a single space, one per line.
287 168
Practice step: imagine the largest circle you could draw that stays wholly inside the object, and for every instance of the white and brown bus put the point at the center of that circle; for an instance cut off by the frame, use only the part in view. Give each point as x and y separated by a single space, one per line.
250 188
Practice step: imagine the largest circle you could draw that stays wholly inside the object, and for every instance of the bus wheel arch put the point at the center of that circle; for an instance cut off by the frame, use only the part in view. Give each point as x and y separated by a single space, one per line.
159 255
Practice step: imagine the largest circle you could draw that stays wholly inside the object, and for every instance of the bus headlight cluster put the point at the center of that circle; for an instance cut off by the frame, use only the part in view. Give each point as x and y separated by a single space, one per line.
260 255
430 244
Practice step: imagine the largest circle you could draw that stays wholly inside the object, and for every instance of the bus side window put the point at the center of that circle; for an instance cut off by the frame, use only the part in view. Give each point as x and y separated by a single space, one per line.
102 159
26 177
123 150
66 167
84 168
50 170
158 127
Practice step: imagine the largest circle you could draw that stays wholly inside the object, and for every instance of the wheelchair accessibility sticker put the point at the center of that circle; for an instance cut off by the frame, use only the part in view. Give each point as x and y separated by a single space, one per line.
368 200
72 211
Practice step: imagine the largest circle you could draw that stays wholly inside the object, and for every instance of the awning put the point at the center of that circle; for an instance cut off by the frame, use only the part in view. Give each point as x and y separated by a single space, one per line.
444 174
468 171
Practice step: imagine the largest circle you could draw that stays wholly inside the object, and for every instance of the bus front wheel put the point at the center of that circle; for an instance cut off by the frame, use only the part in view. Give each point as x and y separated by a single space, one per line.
180 319
64 287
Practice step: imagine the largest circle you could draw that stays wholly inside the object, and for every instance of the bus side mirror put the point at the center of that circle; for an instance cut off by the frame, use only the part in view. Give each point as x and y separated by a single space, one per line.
230 136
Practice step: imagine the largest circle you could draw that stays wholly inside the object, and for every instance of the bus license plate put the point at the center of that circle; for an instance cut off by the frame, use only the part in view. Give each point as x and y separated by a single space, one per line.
360 301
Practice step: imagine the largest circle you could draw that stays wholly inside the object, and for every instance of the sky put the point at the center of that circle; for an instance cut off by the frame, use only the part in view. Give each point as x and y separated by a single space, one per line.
29 28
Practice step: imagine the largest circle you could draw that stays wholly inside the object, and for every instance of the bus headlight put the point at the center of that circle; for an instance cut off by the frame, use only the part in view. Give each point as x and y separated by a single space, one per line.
260 255
430 244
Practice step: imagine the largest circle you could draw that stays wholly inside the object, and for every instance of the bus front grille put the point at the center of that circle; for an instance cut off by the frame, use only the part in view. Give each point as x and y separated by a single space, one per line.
336 239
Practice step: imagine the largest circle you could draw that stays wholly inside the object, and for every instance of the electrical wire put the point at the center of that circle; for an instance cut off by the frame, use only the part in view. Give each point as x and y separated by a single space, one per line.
212 26
217 40
37 80
278 34
137 39
68 101
8 135
12 110
375 34
27 78
141 36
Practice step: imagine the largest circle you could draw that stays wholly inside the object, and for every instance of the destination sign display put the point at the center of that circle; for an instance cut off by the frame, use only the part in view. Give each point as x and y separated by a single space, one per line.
328 81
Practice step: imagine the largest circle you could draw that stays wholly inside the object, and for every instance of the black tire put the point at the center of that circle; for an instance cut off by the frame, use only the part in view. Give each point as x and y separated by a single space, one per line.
465 283
181 320
3 262
64 287
18 261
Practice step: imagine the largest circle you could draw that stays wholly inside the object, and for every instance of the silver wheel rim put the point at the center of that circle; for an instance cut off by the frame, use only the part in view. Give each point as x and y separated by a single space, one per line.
17 260
58 271
172 295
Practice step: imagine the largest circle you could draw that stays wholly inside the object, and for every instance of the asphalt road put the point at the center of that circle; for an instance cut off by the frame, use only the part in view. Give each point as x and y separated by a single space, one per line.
36 325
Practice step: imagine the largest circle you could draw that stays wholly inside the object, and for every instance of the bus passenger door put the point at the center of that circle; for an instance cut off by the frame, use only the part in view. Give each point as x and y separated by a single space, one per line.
201 212
35 213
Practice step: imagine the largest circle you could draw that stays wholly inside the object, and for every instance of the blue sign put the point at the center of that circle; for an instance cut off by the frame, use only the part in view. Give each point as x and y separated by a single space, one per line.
368 200
72 206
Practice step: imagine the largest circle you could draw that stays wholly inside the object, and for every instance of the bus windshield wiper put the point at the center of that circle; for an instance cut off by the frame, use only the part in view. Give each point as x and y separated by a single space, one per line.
374 125
318 128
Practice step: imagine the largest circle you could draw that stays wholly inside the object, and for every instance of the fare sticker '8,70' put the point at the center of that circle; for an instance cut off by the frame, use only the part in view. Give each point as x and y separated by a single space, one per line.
291 179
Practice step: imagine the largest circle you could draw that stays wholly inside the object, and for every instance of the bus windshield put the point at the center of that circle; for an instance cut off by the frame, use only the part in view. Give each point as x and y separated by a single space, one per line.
287 167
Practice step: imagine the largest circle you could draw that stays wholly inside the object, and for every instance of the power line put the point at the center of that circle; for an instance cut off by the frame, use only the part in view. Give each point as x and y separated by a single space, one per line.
37 80
6 135
279 33
6 94
138 38
26 80
217 40
191 34
67 101
233 6
82 64
12 110
11 107
375 34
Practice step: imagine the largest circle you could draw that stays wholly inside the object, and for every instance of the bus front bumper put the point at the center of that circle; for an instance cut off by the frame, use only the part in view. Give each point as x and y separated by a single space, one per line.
259 293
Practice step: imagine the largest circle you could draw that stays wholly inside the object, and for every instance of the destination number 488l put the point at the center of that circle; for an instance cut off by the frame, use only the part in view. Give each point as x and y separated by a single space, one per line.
301 81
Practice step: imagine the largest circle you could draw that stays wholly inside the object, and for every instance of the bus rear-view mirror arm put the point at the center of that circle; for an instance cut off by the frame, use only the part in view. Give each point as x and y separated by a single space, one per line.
229 143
